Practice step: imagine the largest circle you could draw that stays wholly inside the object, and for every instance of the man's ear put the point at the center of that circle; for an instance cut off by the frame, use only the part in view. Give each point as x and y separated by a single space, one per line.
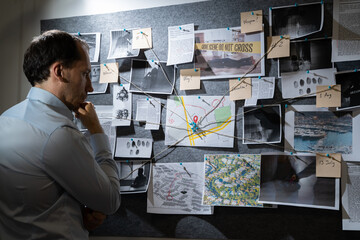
58 71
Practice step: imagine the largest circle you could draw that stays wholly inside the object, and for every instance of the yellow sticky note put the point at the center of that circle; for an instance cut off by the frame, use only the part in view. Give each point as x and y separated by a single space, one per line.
328 97
328 165
251 21
109 73
142 38
240 89
190 79
279 45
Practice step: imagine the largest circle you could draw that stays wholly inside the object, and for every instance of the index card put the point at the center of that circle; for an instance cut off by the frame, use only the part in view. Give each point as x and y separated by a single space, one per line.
240 89
109 73
251 21
190 79
142 38
328 165
328 97
280 46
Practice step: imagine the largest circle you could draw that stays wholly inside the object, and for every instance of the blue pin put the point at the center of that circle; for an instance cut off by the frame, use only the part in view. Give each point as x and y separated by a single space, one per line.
127 161
152 60
205 158
329 87
306 39
105 64
141 32
79 34
124 30
286 105
180 28
228 28
296 4
326 36
291 153
262 105
181 163
322 2
238 155
259 77
121 85
132 139
239 79
252 13
281 37
198 97
307 71
195 69
147 99
270 8
355 70
327 155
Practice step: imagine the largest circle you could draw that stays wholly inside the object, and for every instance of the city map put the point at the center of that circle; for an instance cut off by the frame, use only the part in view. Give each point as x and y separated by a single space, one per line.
177 189
232 180
203 121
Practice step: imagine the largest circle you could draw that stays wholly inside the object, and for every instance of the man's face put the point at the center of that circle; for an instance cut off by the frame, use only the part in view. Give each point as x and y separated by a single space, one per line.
78 81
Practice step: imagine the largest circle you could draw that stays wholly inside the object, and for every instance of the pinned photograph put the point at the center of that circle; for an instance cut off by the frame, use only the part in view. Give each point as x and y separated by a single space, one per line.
95 78
228 53
298 20
262 124
121 44
151 77
291 180
350 89
93 40
319 130
134 176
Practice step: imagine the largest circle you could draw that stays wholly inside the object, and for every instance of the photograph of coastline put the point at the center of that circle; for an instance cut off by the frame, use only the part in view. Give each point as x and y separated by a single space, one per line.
323 132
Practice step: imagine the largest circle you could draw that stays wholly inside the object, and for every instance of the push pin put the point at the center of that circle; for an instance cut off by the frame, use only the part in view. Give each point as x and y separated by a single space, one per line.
259 77
79 34
239 79
270 8
228 28
195 69
252 13
329 87
296 4
355 70
281 37
286 105
327 155
291 153
180 28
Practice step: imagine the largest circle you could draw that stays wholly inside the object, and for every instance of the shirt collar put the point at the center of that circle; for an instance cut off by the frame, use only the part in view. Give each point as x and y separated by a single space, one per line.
50 99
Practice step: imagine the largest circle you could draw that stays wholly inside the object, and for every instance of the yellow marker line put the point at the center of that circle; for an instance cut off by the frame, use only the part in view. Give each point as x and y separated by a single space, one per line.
187 122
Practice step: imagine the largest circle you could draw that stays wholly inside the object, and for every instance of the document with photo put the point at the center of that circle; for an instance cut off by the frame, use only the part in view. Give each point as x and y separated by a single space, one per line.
93 40
121 44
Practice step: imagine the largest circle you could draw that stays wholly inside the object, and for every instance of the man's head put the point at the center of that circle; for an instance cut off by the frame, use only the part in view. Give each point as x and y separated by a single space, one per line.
59 62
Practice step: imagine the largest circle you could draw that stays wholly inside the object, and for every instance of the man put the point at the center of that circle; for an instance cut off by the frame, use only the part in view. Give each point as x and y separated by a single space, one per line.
49 172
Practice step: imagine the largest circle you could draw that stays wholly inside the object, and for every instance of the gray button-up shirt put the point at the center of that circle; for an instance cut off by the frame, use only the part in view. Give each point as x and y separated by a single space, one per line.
48 169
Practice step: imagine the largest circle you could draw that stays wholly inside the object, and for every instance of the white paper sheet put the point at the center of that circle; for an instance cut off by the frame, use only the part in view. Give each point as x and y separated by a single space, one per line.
326 139
350 182
296 84
215 121
141 110
174 190
180 44
261 89
346 31
122 100
133 147
153 114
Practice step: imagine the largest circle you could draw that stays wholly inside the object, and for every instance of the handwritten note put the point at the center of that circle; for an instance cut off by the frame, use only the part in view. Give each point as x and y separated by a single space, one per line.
328 166
109 73
278 46
251 21
328 97
240 89
190 79
142 38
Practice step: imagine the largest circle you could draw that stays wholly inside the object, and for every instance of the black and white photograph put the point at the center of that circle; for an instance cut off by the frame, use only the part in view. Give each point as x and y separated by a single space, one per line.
350 89
151 77
307 55
298 20
134 176
291 180
95 77
93 40
122 102
262 124
121 44
228 53
133 147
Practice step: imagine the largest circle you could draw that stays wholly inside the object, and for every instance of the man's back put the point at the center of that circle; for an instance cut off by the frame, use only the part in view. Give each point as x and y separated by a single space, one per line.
40 172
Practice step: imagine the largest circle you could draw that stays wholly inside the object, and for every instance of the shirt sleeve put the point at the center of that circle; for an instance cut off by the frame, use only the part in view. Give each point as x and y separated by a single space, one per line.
87 172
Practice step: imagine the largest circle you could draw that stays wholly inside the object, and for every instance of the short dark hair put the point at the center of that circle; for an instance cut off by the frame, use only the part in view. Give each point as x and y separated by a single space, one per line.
46 49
